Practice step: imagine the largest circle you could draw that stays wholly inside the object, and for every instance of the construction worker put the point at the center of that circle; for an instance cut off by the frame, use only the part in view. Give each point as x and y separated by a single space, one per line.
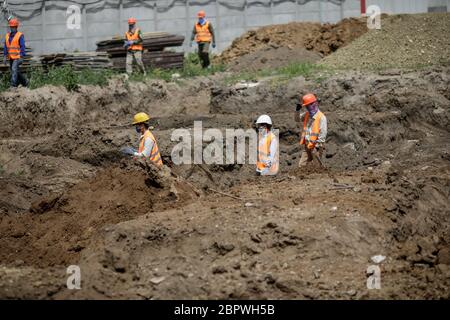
148 147
14 51
134 46
314 131
203 34
268 160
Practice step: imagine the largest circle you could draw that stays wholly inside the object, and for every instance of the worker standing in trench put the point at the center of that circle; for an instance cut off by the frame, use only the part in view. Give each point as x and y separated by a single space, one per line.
268 158
148 148
14 51
134 47
203 34
314 131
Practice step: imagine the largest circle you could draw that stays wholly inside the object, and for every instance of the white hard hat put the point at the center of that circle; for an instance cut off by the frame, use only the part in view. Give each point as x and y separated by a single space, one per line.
264 119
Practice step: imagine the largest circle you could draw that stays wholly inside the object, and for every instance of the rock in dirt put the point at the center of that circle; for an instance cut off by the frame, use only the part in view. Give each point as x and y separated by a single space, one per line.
378 258
157 280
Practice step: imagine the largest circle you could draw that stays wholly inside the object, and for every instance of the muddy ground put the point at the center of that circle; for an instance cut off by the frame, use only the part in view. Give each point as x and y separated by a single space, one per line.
68 197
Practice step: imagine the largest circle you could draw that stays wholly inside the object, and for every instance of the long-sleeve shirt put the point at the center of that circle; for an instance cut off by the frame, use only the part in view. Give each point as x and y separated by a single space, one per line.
148 147
322 125
138 41
211 30
21 43
272 157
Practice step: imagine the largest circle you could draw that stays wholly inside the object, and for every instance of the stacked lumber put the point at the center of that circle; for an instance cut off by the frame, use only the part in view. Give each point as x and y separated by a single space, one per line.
154 54
78 60
154 59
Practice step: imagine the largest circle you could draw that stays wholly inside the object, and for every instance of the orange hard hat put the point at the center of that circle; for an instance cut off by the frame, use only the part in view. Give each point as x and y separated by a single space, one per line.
201 14
132 21
308 99
14 22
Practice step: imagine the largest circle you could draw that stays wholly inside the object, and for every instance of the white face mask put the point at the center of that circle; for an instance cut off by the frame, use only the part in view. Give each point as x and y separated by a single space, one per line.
262 130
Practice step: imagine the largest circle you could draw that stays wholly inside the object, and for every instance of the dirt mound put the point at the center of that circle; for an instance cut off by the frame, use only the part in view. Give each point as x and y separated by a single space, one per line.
53 109
270 58
331 37
58 227
403 41
267 41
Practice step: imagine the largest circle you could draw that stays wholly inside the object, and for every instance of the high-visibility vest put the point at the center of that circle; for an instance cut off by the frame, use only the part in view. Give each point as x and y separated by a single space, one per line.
14 46
134 37
315 129
202 33
155 156
264 152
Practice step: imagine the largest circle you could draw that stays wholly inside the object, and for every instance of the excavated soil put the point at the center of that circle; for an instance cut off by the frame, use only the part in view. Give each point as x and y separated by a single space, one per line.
404 41
278 45
67 196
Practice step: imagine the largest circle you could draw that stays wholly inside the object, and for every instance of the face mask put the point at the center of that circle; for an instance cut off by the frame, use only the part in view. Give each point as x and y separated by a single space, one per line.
262 130
201 21
138 130
312 109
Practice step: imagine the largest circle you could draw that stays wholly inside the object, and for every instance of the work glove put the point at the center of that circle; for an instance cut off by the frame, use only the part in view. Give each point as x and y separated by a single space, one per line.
311 146
20 61
214 45
268 163
298 107
128 151
190 44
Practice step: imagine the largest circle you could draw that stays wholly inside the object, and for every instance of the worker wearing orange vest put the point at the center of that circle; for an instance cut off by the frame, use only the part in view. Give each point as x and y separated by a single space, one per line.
314 131
134 46
14 51
203 34
267 162
148 147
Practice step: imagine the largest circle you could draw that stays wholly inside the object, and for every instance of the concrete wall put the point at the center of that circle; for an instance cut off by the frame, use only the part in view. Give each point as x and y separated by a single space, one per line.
45 22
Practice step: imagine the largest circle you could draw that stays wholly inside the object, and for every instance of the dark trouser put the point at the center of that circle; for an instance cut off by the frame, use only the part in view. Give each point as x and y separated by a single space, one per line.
203 53
16 76
307 155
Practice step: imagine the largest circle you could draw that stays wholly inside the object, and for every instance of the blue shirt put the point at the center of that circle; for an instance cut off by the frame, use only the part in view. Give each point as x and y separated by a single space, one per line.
21 43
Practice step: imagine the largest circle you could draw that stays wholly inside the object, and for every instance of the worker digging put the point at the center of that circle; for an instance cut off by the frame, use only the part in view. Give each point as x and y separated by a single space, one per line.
314 130
148 147
268 151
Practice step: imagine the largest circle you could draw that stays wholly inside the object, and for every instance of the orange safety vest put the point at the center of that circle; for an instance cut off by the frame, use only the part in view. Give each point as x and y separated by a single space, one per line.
14 46
133 37
264 152
315 130
202 33
155 156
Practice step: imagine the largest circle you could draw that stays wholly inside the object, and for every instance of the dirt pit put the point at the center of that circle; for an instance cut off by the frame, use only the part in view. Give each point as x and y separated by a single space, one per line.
217 231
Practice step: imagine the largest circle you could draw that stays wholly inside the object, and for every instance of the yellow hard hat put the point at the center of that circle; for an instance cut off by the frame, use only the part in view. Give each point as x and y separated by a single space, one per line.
140 118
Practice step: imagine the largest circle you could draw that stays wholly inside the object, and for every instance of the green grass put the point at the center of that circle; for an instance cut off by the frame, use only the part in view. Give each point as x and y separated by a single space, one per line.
71 79
61 76
281 75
